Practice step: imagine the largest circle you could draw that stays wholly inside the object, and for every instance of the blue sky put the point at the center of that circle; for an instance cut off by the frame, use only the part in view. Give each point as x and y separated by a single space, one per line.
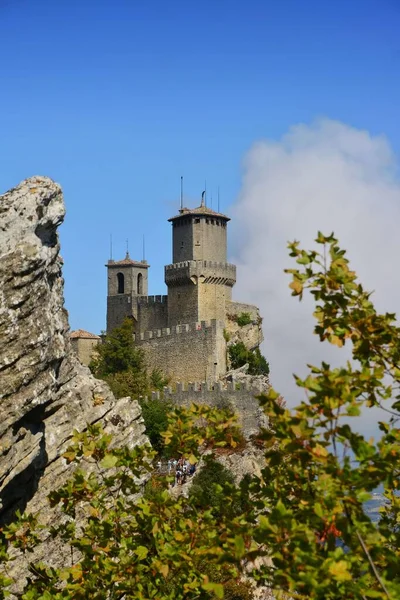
115 100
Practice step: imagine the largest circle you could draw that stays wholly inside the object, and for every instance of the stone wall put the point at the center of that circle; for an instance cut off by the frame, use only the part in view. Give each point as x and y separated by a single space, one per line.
199 237
190 352
240 397
198 290
84 348
118 308
151 312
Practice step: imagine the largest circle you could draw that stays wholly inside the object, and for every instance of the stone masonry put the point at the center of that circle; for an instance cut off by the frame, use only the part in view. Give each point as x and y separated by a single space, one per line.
184 333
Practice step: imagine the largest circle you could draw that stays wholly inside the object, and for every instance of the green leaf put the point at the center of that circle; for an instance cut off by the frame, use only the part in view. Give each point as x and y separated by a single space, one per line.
109 461
141 552
216 588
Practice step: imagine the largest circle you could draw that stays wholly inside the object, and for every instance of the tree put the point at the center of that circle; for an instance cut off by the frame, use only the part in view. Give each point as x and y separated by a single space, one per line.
306 512
155 414
239 355
136 546
120 363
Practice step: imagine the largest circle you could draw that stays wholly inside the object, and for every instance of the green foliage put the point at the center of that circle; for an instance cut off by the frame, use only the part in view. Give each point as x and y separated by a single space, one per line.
322 542
155 414
213 484
239 355
118 352
120 363
305 512
135 546
243 319
210 484
227 336
158 380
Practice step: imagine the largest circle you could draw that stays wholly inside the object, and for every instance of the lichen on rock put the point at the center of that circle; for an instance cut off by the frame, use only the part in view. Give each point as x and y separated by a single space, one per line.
45 392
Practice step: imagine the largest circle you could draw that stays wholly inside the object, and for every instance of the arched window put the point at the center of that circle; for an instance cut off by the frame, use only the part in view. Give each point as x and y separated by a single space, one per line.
121 283
140 284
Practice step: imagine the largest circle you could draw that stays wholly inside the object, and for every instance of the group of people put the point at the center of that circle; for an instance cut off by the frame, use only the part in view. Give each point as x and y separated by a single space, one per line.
181 467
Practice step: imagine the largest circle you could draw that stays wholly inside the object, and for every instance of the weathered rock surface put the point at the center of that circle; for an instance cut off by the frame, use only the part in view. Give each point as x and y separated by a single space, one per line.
251 334
45 392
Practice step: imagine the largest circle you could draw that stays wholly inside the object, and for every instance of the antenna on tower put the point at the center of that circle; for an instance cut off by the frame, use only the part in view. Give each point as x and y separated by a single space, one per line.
127 248
181 193
111 248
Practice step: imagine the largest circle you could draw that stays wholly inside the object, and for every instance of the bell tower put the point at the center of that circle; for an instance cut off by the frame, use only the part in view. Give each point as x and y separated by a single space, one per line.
127 279
199 279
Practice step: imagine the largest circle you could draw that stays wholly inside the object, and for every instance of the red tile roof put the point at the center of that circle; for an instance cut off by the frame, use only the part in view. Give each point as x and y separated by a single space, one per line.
81 333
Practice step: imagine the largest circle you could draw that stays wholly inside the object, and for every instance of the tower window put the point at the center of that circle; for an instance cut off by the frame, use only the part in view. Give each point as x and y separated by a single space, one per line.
140 284
121 283
197 220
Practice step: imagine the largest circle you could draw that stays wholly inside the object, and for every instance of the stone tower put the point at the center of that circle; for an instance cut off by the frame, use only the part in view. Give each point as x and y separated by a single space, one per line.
127 280
199 279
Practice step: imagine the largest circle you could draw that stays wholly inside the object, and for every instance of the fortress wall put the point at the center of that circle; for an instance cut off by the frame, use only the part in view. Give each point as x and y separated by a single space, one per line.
239 397
152 312
183 304
212 300
118 308
186 352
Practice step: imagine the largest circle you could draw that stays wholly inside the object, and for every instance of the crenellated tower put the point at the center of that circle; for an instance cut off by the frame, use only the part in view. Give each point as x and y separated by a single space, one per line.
200 279
183 334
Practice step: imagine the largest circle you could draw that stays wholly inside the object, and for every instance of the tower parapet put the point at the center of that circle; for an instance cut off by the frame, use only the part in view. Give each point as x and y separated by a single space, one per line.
208 271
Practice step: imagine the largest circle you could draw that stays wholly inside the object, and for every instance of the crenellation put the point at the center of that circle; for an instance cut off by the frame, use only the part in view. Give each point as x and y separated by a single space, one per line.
182 333
152 299
240 398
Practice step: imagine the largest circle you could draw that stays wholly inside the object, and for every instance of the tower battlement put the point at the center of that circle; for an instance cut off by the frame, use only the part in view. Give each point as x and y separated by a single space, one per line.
239 397
210 271
211 264
200 326
152 299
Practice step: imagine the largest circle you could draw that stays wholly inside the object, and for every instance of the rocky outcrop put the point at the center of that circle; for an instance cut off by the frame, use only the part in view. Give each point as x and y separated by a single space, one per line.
239 330
45 392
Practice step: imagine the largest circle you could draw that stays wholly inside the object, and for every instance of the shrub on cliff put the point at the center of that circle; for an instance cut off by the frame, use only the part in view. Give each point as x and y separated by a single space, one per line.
239 355
155 414
243 319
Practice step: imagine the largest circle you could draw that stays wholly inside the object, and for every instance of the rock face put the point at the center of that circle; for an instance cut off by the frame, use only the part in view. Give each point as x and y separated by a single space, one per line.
45 392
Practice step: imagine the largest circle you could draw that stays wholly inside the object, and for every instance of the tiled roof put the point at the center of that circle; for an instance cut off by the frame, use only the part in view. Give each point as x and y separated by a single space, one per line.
200 210
128 261
81 333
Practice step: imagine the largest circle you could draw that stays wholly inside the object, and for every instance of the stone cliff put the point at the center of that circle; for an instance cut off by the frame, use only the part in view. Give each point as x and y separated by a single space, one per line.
45 392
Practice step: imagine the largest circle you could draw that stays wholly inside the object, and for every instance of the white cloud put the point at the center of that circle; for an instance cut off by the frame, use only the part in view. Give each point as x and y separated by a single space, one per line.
328 177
